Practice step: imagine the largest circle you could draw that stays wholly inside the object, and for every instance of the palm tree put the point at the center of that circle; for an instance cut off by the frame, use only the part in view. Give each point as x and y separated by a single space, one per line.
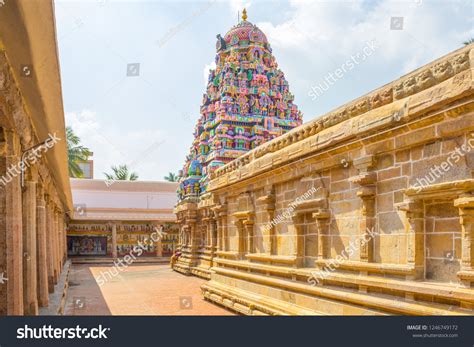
468 42
171 177
121 173
75 153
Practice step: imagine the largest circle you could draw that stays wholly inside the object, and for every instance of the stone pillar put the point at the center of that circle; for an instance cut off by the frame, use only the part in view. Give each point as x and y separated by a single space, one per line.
204 232
466 213
30 301
49 245
220 216
248 225
193 240
415 236
58 242
64 229
465 203
62 235
55 244
322 217
41 249
213 240
224 236
11 252
220 243
159 243
54 217
367 223
114 241
366 180
268 206
240 237
159 248
299 251
181 237
208 233
213 234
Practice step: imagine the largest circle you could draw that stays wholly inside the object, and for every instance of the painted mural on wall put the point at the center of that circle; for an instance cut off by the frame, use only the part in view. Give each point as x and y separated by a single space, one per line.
247 103
86 245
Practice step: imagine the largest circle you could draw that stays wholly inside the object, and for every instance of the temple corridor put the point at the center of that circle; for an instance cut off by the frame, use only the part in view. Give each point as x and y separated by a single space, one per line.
137 290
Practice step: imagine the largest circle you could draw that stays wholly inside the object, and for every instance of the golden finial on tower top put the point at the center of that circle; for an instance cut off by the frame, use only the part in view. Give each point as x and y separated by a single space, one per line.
244 15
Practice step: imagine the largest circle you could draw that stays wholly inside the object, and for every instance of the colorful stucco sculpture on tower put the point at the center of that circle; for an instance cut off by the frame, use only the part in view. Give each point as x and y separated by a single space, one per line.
247 103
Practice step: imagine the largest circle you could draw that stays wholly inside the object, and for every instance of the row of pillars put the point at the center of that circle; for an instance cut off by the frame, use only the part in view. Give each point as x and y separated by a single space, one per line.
44 247
32 233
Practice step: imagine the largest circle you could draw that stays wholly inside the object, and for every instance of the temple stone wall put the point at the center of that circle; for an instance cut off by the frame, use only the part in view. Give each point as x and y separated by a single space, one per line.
366 210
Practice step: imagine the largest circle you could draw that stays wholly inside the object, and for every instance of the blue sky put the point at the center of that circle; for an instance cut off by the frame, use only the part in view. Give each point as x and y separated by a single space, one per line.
147 121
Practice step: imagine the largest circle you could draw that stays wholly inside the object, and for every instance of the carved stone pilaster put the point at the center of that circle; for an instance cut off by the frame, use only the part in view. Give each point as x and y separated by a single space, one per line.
42 256
465 204
220 212
267 202
244 226
311 207
29 248
366 180
249 235
114 240
322 216
415 235
11 261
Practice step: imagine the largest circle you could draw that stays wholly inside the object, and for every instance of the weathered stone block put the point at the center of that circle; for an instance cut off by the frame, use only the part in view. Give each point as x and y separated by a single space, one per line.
385 202
388 249
416 137
438 169
388 173
447 225
457 126
432 149
402 156
416 153
442 210
392 185
390 223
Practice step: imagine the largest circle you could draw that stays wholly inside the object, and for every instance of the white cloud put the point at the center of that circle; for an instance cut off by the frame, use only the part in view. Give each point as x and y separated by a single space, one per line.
341 27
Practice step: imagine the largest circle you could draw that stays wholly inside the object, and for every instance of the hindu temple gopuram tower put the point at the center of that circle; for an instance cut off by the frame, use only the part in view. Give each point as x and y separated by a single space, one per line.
247 103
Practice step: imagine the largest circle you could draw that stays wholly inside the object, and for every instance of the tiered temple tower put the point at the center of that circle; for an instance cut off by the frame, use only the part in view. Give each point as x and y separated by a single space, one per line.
247 103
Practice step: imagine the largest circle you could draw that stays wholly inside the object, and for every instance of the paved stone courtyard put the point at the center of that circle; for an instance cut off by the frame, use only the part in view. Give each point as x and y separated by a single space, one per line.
138 290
